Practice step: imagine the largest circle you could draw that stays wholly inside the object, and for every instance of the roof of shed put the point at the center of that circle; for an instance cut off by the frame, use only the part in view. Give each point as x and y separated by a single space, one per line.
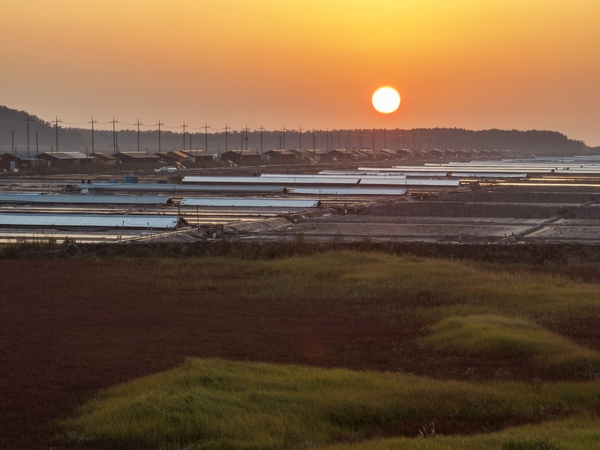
84 199
88 221
104 156
283 180
67 155
172 188
21 157
347 191
135 155
250 202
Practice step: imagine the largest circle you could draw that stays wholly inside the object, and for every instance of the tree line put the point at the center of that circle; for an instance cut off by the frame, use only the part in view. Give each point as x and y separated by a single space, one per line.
43 137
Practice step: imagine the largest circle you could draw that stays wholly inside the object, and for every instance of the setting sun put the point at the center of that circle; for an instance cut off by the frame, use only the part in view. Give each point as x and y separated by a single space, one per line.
386 100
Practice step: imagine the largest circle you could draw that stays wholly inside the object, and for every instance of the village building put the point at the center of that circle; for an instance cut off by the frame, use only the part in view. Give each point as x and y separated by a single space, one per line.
204 157
12 161
388 153
342 154
237 156
363 153
177 156
300 154
140 157
102 158
63 158
318 155
282 155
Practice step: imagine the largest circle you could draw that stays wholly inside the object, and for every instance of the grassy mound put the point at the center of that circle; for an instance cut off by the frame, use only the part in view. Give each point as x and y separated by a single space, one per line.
283 304
575 433
494 336
216 404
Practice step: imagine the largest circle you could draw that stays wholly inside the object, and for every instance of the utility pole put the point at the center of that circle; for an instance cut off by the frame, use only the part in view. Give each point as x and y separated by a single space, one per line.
331 139
159 124
138 135
373 140
246 137
56 129
226 128
92 122
114 136
184 135
284 130
205 137
314 143
28 120
261 139
300 138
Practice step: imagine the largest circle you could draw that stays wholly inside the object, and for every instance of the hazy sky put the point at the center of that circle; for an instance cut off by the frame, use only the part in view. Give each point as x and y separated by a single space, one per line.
478 64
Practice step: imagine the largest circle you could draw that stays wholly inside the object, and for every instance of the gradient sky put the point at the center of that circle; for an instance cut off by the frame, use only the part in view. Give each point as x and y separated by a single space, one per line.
510 64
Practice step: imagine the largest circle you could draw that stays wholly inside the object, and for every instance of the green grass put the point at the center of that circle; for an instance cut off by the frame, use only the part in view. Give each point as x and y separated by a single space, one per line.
575 433
461 308
222 404
401 290
504 337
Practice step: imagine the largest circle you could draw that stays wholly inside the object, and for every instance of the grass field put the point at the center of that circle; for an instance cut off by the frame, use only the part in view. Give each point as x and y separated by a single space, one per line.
220 404
480 347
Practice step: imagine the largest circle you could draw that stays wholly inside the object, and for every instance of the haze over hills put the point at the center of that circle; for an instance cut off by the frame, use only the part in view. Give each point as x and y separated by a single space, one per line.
43 137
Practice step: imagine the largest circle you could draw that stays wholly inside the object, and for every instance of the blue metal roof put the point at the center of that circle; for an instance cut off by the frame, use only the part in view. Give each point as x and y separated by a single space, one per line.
251 202
347 191
88 221
281 180
179 188
78 199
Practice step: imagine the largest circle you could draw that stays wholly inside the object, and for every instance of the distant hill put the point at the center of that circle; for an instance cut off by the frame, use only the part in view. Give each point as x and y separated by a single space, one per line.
14 123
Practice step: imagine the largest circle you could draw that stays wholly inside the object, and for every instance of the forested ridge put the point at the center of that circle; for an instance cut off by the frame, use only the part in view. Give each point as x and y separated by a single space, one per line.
43 137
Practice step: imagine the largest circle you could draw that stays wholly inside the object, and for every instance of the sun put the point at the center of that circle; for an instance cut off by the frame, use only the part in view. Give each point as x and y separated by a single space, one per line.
386 100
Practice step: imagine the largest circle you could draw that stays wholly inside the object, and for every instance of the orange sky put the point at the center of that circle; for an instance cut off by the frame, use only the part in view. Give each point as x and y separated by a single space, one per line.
527 64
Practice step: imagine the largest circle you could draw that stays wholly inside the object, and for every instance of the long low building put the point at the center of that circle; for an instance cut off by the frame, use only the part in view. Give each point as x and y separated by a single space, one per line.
250 203
282 180
90 221
348 191
292 181
78 199
179 188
